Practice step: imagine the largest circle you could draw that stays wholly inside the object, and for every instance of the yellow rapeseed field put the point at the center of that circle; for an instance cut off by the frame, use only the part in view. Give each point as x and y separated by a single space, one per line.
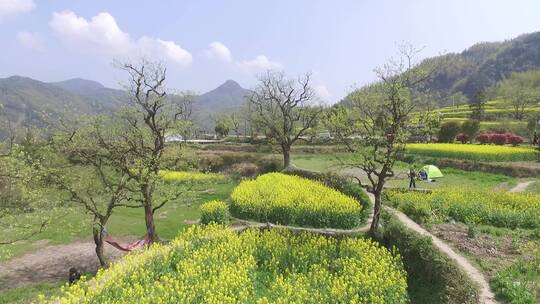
501 209
214 211
192 177
212 264
475 152
287 199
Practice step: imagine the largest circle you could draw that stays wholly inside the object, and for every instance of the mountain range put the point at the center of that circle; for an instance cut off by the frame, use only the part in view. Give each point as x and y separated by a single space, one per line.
28 102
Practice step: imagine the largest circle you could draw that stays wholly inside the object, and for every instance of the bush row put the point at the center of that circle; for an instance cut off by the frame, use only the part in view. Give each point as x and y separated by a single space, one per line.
499 138
239 163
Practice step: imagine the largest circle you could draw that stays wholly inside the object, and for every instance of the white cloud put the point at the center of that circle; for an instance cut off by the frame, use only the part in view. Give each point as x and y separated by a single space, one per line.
13 7
102 34
323 93
260 63
30 40
219 51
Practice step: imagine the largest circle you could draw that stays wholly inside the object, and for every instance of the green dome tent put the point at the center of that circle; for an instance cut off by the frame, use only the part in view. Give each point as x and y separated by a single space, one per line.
432 171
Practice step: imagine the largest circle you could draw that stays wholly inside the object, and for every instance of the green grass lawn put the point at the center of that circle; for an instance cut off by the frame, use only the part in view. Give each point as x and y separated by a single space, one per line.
452 177
456 177
70 224
534 187
29 294
320 162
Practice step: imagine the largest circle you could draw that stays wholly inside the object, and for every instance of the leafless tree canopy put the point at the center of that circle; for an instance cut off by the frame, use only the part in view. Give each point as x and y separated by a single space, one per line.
285 107
378 123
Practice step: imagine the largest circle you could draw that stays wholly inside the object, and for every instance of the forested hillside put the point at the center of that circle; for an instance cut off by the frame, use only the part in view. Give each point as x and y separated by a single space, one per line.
460 76
483 65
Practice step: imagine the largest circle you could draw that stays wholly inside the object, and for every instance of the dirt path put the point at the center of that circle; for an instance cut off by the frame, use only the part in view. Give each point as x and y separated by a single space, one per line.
520 187
52 263
486 295
239 225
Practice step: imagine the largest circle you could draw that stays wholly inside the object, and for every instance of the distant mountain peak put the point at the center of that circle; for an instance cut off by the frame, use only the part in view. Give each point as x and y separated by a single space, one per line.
230 84
79 84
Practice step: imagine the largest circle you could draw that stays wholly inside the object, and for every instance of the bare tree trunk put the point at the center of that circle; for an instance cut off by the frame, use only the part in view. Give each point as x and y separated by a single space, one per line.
98 240
150 226
286 155
374 229
149 215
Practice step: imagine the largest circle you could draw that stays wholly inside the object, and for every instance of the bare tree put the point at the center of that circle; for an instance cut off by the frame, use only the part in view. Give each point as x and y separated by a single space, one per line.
234 118
90 178
285 107
378 124
134 142
185 113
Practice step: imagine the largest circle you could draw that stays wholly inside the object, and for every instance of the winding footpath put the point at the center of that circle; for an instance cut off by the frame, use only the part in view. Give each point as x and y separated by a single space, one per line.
520 187
486 295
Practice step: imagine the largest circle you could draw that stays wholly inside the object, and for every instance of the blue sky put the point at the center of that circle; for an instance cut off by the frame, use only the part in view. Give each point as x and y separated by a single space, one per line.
205 43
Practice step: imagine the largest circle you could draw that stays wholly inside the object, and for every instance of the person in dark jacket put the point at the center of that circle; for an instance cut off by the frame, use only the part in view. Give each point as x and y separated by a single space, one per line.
74 275
412 177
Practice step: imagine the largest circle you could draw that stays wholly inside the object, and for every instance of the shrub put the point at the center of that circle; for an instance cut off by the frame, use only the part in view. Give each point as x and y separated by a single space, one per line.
219 161
516 282
470 127
285 199
448 131
214 211
500 209
474 152
515 140
498 139
213 264
244 170
462 137
483 138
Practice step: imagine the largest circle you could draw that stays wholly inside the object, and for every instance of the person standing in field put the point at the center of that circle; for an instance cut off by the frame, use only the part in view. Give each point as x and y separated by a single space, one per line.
412 176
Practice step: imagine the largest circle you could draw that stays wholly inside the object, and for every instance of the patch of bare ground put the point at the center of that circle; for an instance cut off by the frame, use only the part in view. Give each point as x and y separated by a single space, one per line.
491 252
51 263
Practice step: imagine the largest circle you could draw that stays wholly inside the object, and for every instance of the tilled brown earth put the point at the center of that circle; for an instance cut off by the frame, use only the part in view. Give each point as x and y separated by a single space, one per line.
485 248
52 263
